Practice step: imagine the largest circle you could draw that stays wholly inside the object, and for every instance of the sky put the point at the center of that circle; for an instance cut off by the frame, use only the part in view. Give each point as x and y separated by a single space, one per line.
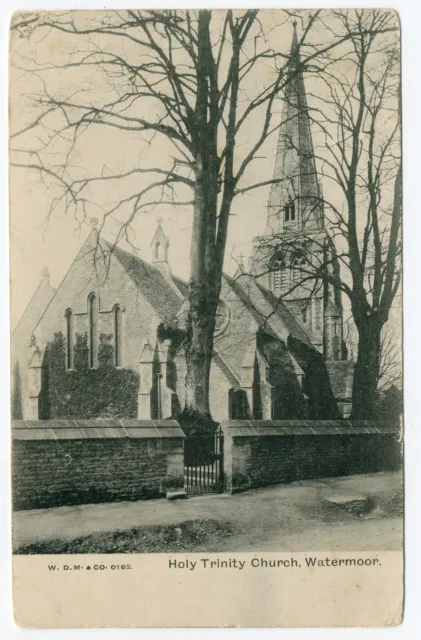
40 239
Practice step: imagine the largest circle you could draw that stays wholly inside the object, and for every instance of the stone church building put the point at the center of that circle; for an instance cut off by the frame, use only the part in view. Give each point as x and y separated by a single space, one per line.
109 341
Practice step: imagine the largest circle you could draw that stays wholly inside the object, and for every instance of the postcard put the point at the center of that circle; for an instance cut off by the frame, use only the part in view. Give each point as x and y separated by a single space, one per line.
206 315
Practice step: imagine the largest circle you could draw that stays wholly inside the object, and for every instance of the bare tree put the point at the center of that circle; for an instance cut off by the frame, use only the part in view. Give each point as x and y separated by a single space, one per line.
390 368
355 112
364 161
184 81
183 77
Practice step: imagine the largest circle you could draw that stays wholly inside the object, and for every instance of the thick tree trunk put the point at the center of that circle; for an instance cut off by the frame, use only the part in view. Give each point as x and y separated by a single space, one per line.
205 283
366 370
201 325
204 290
205 276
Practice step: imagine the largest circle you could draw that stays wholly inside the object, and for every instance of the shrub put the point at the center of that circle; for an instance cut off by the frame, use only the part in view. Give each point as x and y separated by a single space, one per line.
105 392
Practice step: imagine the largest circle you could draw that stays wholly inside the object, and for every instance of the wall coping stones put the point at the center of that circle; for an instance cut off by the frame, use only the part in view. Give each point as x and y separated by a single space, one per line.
94 429
250 428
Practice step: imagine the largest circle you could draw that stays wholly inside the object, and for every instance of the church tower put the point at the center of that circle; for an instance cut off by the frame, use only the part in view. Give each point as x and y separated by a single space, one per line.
295 243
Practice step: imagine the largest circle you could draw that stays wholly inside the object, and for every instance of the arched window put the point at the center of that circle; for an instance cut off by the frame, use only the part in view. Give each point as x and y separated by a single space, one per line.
118 317
276 280
292 210
69 339
283 277
157 249
304 314
276 276
279 276
295 272
289 210
303 265
318 314
93 330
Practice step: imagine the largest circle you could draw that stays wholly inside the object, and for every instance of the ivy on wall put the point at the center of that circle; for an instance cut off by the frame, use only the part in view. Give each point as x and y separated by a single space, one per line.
105 392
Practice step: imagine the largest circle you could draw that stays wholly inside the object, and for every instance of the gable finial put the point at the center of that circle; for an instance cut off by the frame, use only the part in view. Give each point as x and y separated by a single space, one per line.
241 262
160 244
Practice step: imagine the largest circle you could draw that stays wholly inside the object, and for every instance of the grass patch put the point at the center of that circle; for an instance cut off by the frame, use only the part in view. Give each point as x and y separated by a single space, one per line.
188 536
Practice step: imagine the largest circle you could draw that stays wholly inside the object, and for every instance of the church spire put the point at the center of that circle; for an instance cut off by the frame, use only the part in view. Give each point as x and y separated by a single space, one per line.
294 201
294 44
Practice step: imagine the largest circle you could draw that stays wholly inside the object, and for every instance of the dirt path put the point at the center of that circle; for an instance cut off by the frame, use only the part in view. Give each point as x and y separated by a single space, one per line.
287 517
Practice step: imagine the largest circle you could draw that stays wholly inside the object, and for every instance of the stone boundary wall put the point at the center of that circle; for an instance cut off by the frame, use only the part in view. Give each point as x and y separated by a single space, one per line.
265 452
66 462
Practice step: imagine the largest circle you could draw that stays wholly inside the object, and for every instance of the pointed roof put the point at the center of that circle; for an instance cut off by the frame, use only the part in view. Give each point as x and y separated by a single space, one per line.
284 314
226 369
331 310
295 165
163 298
30 318
147 354
35 360
268 310
159 235
341 374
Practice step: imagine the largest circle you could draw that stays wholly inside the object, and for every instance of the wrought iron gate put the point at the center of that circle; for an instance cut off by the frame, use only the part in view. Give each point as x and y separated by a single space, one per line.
203 463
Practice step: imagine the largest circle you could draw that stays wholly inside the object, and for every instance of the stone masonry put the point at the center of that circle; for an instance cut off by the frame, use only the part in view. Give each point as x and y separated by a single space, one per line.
266 452
64 462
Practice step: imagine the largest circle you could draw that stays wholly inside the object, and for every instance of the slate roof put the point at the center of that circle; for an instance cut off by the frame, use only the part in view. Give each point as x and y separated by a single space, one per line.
154 286
226 370
182 286
258 316
341 378
32 314
282 311
221 362
268 310
165 301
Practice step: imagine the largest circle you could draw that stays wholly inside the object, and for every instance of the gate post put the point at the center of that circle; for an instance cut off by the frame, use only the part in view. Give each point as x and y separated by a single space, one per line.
219 450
